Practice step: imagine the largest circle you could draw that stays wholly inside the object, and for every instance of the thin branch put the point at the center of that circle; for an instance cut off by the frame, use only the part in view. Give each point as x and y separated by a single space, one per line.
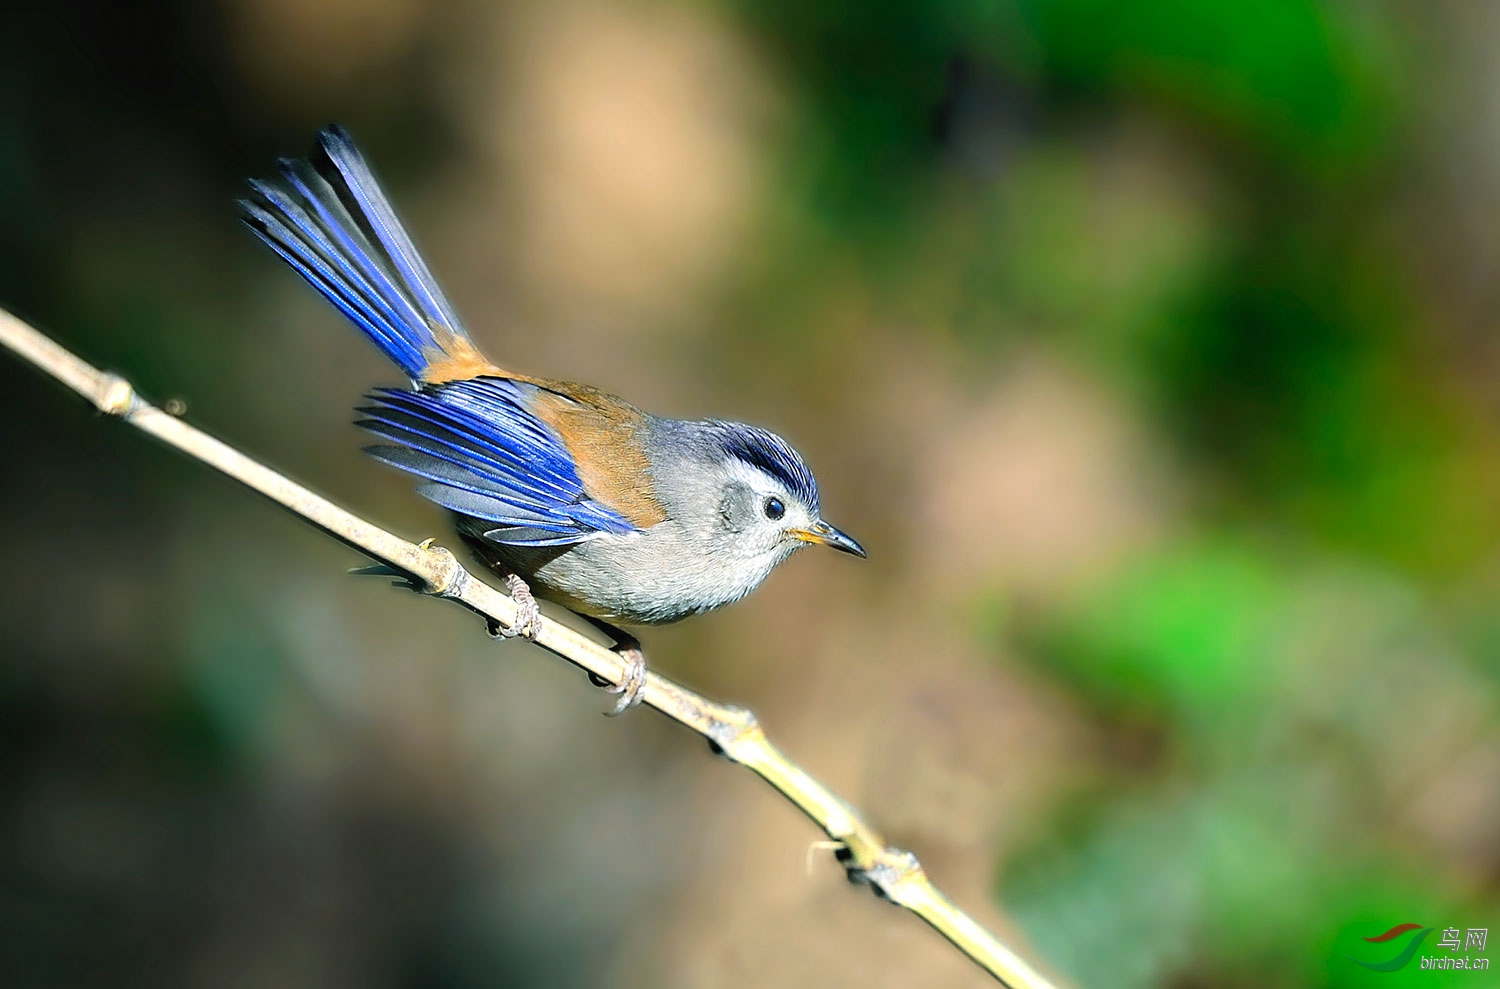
893 873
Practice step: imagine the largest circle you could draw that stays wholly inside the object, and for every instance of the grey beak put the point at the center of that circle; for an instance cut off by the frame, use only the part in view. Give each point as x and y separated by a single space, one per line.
823 534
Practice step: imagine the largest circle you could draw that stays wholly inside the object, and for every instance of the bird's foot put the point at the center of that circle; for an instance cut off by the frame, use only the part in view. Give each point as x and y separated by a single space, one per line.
528 615
632 685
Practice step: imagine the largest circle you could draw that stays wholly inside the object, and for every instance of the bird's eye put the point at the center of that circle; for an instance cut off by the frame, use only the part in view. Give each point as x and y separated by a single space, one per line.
774 509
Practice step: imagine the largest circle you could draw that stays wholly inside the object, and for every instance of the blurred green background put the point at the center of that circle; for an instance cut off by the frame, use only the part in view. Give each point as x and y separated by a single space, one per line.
1150 348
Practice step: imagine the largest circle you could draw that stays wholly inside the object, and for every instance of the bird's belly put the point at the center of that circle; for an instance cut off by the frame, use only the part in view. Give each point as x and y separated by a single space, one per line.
644 578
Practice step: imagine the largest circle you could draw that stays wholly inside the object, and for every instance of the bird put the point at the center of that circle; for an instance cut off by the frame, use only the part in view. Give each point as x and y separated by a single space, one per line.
566 492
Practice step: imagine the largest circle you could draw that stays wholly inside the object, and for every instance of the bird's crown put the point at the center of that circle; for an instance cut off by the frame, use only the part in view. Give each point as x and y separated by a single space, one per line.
769 453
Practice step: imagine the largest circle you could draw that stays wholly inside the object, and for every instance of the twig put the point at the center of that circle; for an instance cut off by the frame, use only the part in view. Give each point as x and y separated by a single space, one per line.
892 873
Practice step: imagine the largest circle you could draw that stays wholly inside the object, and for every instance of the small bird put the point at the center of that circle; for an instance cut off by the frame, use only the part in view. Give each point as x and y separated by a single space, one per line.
566 492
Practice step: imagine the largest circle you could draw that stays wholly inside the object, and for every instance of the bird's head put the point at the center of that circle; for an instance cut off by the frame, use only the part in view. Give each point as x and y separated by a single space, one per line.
769 499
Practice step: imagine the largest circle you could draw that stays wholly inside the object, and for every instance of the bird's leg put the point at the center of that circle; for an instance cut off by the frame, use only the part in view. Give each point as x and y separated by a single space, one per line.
528 615
528 621
633 684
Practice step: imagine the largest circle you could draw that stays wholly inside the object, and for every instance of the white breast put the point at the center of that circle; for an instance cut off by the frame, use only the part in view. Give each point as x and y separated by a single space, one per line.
649 578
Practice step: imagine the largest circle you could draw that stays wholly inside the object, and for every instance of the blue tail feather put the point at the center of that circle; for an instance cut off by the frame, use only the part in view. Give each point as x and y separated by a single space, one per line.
378 322
377 212
329 219
329 230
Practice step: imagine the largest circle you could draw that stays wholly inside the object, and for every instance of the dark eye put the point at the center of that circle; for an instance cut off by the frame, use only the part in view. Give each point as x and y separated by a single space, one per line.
774 508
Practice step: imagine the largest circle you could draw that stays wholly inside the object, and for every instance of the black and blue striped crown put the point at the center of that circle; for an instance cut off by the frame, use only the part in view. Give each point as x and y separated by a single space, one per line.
767 452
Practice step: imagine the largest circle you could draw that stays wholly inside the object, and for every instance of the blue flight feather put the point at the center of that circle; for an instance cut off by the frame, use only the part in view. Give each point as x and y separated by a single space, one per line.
486 456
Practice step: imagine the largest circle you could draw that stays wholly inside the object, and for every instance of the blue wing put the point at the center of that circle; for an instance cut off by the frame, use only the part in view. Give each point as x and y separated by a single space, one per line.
485 455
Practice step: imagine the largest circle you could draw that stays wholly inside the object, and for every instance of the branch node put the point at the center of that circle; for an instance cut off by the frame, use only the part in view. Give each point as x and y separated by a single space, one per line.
730 729
893 867
115 396
448 578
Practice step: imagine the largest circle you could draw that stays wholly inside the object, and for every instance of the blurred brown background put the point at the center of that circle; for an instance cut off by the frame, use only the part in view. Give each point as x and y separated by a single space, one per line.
1150 349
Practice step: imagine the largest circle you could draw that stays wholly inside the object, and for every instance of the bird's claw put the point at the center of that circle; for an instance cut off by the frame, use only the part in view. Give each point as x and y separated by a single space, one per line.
632 685
528 621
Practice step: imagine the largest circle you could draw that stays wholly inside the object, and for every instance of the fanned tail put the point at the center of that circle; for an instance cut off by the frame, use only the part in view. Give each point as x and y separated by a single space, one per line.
327 216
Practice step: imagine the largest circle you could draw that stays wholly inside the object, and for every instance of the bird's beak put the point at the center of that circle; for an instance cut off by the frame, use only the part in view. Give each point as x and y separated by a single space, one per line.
823 534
